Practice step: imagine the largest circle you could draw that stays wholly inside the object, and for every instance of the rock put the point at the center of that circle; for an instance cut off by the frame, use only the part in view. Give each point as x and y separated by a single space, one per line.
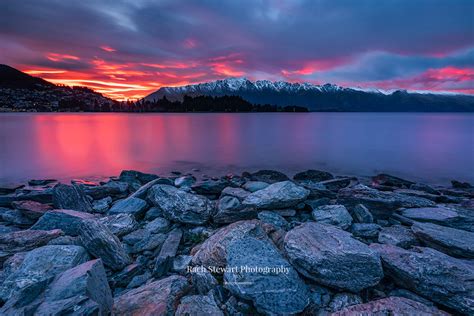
239 193
381 204
202 280
155 298
102 206
391 181
331 257
68 221
460 185
397 235
101 243
40 265
136 236
365 230
31 209
315 203
65 240
391 306
158 225
120 224
320 297
269 176
430 273
180 206
180 264
26 240
230 209
198 305
135 206
313 175
428 196
167 253
273 218
337 183
278 195
454 242
86 281
342 300
70 197
272 292
139 280
10 188
41 182
361 214
455 218
7 229
184 181
143 190
254 186
213 251
153 213
124 277
334 215
42 196
111 188
410 295
425 188
132 176
317 190
148 243
210 187
15 217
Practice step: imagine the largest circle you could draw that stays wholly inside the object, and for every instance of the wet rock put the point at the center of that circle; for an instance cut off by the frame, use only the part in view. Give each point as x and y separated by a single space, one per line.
180 264
210 187
391 181
278 292
455 218
155 298
111 188
167 253
15 217
40 265
184 181
430 273
198 305
133 176
239 193
26 240
334 215
313 175
278 195
254 186
230 209
31 209
102 206
331 257
342 300
202 280
213 251
180 206
273 218
84 285
158 225
362 214
135 206
124 277
454 242
68 221
101 243
71 198
391 306
397 235
365 230
381 204
269 176
148 243
120 224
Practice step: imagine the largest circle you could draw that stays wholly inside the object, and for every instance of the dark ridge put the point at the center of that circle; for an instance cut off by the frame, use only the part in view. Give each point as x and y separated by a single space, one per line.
15 79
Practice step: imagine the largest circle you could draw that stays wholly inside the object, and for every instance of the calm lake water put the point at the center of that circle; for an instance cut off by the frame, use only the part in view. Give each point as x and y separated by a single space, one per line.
427 147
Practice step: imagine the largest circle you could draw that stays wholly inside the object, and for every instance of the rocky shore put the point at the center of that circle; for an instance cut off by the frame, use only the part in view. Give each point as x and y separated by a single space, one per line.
259 243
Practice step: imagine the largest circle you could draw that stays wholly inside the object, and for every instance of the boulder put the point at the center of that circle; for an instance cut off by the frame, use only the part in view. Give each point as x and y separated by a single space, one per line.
313 175
361 214
278 195
230 209
202 280
102 206
26 240
180 264
443 279
269 176
213 251
135 206
451 217
317 190
136 236
397 235
120 224
180 206
365 230
330 256
425 188
337 183
112 188
70 197
68 221
391 306
167 253
124 277
256 271
198 305
156 298
273 218
454 242
334 215
42 196
15 217
150 242
101 243
239 193
8 229
31 209
10 188
142 191
342 300
153 213
391 181
254 186
210 187
133 176
184 181
158 225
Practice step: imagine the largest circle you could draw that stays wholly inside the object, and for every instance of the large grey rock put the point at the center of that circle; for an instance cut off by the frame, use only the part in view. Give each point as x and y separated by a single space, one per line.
230 209
136 236
210 187
273 218
254 186
101 243
270 282
70 197
397 235
180 206
239 193
120 224
381 204
66 220
111 188
85 284
168 251
432 274
213 251
278 195
362 214
334 215
203 281
102 206
454 242
198 305
26 240
330 256
135 206
391 306
40 265
451 217
31 209
184 181
269 176
15 217
155 298
365 230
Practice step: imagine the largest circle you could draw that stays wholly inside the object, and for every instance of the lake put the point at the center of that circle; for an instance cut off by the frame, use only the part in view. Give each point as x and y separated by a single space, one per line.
433 148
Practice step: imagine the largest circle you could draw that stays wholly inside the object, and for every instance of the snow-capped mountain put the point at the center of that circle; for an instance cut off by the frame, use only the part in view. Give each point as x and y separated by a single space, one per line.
327 97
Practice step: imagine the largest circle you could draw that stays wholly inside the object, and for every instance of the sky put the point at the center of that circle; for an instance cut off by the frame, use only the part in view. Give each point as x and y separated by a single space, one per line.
127 49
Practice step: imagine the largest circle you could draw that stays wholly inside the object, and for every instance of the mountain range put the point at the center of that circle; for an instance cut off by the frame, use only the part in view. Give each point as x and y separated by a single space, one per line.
327 97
